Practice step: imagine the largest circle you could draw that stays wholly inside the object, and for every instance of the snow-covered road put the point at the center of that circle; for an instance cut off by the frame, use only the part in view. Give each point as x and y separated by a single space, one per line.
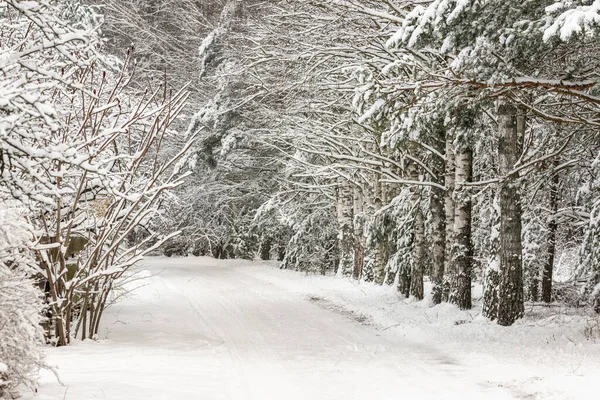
204 329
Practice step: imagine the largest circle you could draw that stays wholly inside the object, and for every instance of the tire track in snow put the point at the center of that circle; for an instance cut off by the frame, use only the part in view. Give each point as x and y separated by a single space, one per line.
276 339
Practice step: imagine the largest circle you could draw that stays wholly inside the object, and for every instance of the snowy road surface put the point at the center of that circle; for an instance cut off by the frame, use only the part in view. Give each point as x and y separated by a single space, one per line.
207 329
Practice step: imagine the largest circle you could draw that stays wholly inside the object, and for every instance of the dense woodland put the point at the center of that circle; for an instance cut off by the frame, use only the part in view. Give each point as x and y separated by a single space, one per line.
397 142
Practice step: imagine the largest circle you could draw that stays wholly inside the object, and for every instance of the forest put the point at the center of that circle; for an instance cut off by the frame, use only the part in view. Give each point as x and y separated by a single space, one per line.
446 150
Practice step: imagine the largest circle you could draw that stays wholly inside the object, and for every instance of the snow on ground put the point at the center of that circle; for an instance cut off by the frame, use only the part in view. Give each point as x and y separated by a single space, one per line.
209 329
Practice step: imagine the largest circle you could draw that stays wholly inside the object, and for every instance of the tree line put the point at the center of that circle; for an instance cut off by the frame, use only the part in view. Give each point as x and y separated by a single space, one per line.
449 141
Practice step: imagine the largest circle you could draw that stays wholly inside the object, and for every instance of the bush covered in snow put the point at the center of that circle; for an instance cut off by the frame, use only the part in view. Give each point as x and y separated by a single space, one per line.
20 305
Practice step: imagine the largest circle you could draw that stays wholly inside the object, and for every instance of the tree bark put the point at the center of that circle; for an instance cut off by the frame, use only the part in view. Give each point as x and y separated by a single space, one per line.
346 230
548 270
378 264
491 281
449 212
510 295
438 224
462 251
404 279
378 250
359 245
418 251
281 251
265 249
368 273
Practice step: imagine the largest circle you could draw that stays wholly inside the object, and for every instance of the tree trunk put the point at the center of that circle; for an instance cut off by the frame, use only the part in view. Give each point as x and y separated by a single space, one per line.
462 251
378 254
378 264
265 249
510 295
491 280
346 232
449 211
416 273
438 238
281 251
418 251
404 280
359 238
390 276
552 227
438 224
534 292
368 273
